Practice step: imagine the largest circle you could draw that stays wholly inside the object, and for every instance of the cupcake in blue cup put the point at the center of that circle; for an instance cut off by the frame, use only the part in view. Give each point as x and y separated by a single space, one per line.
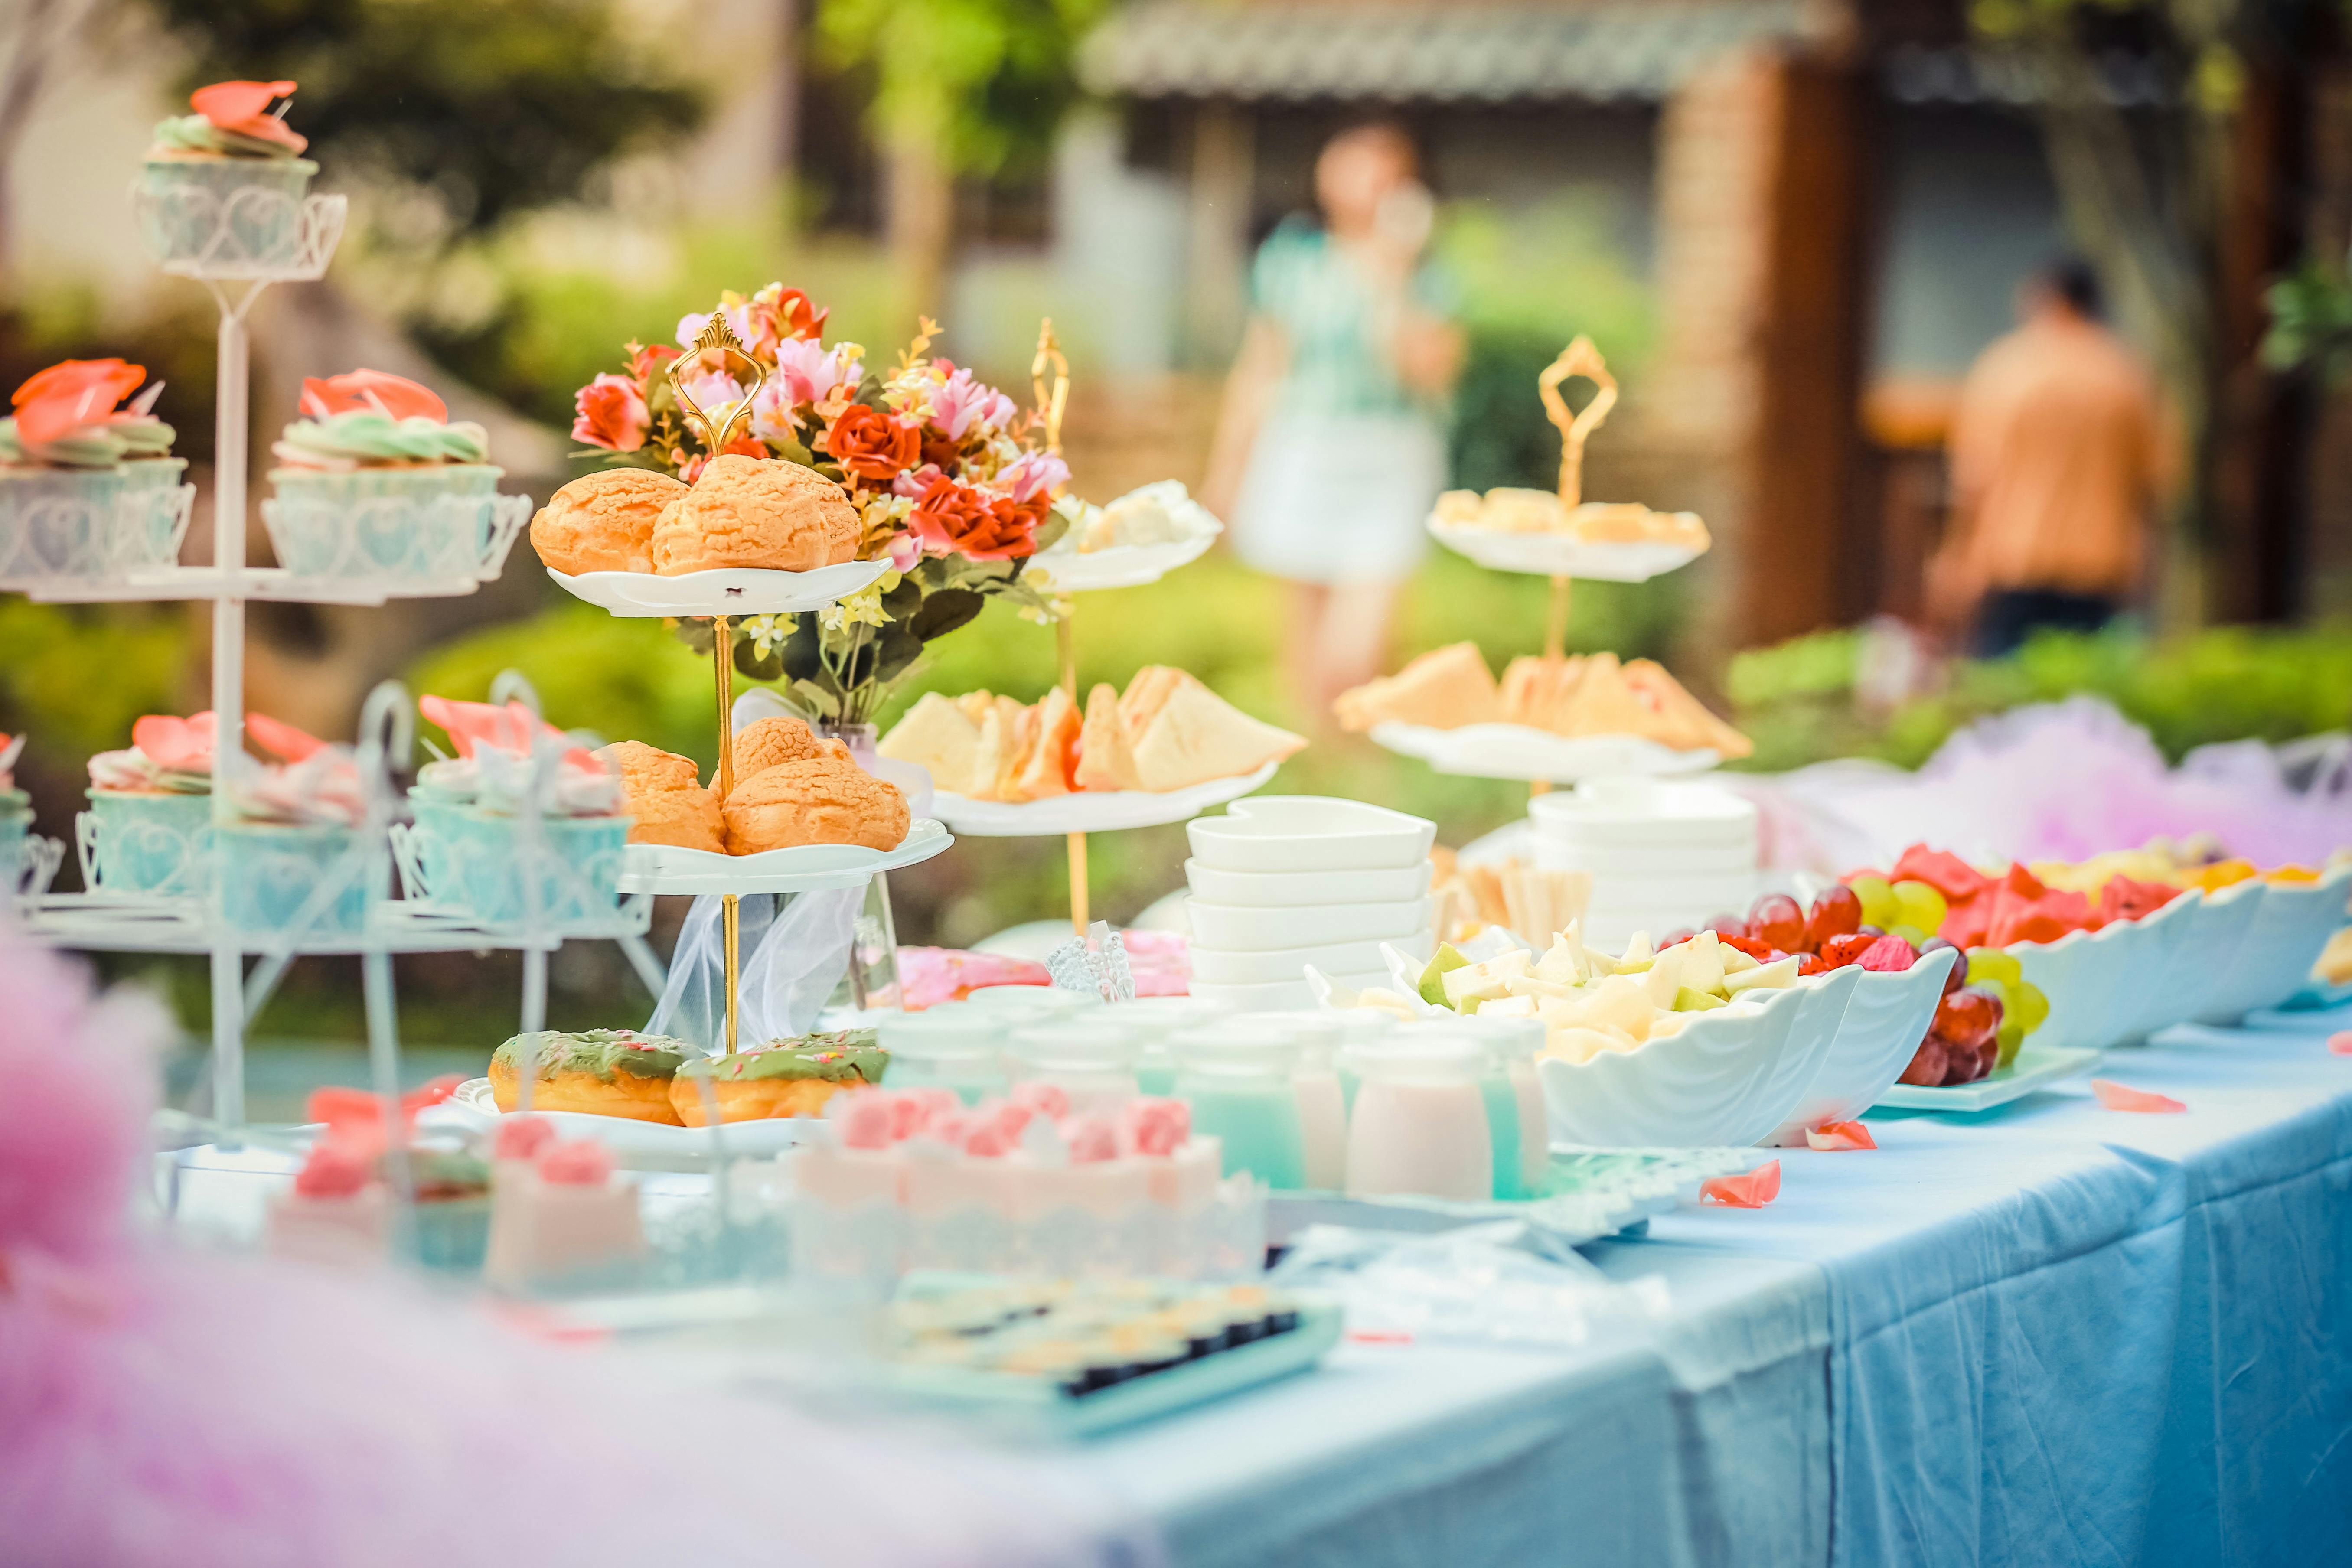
16 816
149 828
291 863
468 840
375 481
86 490
222 190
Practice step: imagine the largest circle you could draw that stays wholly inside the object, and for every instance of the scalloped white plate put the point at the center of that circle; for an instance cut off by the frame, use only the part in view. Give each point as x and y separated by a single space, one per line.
1558 556
804 868
2035 1067
1728 1079
475 1108
1523 752
1886 1018
1120 566
1091 811
728 591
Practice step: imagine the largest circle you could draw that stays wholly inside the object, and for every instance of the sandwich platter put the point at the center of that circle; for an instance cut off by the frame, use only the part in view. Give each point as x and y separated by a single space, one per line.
1523 752
1092 811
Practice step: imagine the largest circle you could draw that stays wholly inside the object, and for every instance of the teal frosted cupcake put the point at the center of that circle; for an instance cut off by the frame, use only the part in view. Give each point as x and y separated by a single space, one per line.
375 481
222 190
87 491
292 864
149 828
467 845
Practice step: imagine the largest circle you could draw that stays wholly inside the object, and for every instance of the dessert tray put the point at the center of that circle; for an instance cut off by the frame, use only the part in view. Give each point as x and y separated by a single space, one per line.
1072 571
473 1108
668 869
1523 752
729 591
1092 811
2036 1067
1561 554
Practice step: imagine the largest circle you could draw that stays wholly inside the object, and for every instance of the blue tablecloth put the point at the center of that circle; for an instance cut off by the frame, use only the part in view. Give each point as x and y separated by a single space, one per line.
2049 1334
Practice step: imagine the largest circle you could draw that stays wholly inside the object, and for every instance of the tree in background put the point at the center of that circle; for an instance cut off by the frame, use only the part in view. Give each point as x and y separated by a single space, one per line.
960 87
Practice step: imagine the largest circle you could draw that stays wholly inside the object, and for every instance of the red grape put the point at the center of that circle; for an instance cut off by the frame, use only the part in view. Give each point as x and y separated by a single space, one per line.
1777 919
1955 977
1967 1017
1837 912
1927 1064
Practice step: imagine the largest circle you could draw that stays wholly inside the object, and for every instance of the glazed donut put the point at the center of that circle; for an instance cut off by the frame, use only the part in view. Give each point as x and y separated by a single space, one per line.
602 1072
783 1078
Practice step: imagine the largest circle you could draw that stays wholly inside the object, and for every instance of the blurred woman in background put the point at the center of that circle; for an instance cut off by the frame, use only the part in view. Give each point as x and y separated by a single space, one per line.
1330 447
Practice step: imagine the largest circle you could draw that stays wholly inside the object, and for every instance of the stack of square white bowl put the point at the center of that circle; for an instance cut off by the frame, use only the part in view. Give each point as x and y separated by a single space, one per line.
1663 854
1280 882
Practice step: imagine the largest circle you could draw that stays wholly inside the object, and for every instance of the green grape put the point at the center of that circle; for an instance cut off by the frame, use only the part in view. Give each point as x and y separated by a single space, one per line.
1918 904
1877 896
1993 964
2007 1039
1909 934
2032 1006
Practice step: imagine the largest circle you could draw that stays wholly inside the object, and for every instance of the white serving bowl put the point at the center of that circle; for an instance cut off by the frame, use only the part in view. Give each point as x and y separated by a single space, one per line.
1296 890
1886 1015
1277 996
1265 967
2284 939
2218 922
1310 833
2160 953
1727 1080
2085 974
1237 928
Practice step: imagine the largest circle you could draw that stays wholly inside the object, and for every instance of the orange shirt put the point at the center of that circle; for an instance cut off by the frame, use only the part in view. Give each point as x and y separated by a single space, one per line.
2057 455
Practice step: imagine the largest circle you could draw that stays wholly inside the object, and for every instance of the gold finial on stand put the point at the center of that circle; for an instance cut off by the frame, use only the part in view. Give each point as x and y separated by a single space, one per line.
1580 358
1052 403
717 349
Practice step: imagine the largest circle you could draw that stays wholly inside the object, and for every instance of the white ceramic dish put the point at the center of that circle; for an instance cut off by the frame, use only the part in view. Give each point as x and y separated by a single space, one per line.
1646 813
1310 833
1072 571
1523 752
2085 974
1238 928
474 1107
1729 1079
1301 889
728 591
2217 923
2035 1068
1886 1018
1091 811
2284 939
1559 556
666 868
1267 966
2160 951
1278 997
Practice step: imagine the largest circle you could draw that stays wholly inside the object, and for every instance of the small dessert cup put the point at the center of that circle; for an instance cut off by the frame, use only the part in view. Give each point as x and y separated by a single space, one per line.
471 858
58 524
432 520
139 842
230 217
152 517
266 873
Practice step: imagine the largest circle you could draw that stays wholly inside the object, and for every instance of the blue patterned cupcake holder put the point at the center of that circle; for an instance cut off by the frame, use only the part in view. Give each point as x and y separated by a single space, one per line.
225 216
282 882
91 525
468 860
146 843
418 524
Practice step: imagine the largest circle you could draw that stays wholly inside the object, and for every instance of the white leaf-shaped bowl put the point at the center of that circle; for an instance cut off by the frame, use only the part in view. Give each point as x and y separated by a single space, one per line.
1886 1015
2085 974
2161 953
2288 929
1728 1079
2213 928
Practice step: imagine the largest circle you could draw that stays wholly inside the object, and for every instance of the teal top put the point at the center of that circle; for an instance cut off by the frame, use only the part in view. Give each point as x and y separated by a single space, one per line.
1309 286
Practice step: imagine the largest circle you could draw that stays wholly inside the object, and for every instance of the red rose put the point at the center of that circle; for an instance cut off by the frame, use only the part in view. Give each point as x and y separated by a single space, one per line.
612 413
797 317
955 520
645 362
870 444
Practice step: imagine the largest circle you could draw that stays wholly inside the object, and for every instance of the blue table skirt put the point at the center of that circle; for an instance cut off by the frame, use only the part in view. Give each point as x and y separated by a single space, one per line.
2052 1333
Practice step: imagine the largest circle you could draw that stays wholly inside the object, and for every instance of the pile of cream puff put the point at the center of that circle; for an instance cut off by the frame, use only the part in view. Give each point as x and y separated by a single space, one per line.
789 788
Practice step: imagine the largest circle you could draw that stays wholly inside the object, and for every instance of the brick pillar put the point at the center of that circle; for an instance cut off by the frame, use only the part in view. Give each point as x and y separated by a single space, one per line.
1759 207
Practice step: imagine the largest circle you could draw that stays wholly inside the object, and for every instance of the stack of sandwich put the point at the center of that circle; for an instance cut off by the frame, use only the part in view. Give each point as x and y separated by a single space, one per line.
1166 731
1582 695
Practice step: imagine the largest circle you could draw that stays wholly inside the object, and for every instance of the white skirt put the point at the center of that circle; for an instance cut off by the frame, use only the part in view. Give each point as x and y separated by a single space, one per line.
1339 498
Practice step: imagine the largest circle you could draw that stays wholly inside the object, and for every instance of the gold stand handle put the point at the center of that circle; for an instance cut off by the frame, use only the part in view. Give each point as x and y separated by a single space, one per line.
1580 358
723 672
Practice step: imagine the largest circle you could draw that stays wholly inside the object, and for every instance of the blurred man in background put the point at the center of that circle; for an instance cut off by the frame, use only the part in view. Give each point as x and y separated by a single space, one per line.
2057 456
1329 448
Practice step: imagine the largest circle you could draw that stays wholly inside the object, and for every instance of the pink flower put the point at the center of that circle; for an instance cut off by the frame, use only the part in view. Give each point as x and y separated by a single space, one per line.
913 484
1032 474
613 414
905 551
808 370
377 391
170 741
739 321
714 392
959 404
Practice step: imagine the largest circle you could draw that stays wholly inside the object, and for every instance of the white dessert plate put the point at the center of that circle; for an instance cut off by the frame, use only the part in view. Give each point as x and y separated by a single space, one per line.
475 1108
1275 996
2036 1067
1238 927
1302 890
728 590
1310 833
1285 966
1073 571
1560 555
1886 1017
1523 752
1091 811
804 868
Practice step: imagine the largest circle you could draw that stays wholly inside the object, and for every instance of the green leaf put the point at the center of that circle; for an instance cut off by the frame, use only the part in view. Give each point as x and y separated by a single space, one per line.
768 666
946 610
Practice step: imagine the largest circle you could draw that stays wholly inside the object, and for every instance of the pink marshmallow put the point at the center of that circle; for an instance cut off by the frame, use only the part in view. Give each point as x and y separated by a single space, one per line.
1157 1127
1091 1139
1046 1100
987 1140
864 1119
523 1136
578 1162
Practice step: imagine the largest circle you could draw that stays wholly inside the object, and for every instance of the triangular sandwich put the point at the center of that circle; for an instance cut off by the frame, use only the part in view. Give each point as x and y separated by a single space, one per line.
1199 736
1106 759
